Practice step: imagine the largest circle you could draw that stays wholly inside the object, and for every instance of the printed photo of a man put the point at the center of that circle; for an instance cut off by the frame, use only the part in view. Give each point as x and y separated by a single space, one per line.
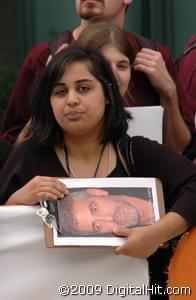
96 212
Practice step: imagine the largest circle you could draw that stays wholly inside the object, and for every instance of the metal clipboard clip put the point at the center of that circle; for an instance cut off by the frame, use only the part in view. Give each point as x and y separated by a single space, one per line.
46 217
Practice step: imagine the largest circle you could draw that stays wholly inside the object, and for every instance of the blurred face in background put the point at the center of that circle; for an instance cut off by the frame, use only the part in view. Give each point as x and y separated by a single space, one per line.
120 66
87 9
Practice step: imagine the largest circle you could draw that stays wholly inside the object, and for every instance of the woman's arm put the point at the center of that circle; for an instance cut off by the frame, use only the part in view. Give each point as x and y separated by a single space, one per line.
178 176
144 241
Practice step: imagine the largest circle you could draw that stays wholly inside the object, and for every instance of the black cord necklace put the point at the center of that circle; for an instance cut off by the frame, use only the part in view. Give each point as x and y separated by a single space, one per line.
70 172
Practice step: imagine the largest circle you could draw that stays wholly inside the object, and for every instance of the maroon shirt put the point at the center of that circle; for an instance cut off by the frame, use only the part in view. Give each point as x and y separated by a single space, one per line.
187 73
18 113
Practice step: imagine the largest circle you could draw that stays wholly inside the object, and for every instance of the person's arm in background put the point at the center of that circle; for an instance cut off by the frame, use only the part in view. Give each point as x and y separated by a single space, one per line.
160 70
17 113
186 68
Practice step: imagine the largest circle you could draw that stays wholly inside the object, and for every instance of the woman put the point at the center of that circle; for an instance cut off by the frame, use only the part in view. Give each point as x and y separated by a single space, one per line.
149 70
115 46
78 129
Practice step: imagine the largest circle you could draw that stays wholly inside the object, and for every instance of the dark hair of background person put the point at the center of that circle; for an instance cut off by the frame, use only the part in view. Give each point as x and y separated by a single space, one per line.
44 128
101 33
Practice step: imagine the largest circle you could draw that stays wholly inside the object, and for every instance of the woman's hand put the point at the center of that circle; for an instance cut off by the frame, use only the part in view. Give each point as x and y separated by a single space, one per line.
144 241
141 242
37 189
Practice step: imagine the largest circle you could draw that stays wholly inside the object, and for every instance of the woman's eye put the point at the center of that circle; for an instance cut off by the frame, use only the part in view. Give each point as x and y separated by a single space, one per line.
123 67
83 89
59 92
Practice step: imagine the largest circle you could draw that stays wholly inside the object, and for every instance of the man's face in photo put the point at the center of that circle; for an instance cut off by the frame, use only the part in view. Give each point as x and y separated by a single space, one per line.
96 211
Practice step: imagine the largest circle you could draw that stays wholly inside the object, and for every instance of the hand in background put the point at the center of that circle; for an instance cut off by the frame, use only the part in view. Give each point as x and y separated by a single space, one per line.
153 65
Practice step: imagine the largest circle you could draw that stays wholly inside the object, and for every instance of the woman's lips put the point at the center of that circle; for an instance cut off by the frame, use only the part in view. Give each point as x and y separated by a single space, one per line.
73 115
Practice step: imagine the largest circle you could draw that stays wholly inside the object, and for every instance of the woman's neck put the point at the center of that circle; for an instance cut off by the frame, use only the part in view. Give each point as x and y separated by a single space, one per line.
87 159
82 149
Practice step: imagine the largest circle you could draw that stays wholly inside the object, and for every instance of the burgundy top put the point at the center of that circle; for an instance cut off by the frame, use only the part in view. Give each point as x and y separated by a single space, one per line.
187 74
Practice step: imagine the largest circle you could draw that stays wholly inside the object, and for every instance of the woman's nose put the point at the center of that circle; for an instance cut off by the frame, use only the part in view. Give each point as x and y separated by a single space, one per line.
72 98
115 71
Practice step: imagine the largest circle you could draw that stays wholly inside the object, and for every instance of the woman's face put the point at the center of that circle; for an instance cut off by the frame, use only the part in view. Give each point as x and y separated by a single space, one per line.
78 102
120 65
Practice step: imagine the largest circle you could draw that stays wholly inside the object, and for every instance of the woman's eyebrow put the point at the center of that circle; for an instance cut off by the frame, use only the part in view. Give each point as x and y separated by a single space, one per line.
84 80
124 61
58 84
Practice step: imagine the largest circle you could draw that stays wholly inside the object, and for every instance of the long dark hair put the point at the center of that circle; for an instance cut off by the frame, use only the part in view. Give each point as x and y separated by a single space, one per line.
44 127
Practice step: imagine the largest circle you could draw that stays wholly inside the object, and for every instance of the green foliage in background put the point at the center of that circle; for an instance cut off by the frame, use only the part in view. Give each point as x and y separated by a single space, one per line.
7 79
